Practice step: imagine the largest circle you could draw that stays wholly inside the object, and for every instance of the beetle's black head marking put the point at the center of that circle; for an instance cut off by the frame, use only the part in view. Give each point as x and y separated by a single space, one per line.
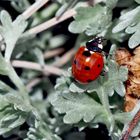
95 45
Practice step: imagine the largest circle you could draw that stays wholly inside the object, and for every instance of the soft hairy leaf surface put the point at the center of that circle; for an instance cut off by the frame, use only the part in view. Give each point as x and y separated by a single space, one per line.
4 69
113 80
41 131
131 25
11 31
91 20
111 3
138 1
72 100
76 106
10 117
74 88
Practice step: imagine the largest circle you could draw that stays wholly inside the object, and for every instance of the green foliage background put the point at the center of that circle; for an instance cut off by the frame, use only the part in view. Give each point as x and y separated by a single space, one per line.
70 103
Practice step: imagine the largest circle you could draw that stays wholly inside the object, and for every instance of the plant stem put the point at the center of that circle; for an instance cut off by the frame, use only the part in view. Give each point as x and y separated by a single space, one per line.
64 59
53 53
33 8
17 81
44 26
32 83
51 22
105 102
132 124
46 69
54 21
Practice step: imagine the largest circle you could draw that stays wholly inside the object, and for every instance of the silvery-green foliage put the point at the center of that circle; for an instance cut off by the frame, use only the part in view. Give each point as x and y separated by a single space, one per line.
91 20
13 113
16 107
10 32
130 25
71 104
20 5
73 100
40 131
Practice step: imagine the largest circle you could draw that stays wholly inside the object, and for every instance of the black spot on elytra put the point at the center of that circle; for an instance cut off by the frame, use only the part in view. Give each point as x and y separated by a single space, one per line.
89 80
86 53
87 68
98 65
75 62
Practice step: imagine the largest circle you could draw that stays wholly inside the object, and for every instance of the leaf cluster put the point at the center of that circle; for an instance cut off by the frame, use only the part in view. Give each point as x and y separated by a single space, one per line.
70 104
91 103
17 107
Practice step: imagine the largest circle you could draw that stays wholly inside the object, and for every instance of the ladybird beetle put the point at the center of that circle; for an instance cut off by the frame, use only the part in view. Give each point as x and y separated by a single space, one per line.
88 61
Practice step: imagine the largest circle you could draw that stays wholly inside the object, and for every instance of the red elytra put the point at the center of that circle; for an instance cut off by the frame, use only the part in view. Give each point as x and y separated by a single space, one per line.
88 62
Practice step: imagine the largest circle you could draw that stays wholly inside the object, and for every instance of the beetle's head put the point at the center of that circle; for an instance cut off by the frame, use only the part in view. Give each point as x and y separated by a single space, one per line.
95 45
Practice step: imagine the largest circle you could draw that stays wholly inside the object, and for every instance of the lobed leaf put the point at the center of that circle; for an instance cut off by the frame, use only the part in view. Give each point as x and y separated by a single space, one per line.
57 41
11 31
75 89
39 56
76 106
4 69
111 3
138 1
116 77
91 20
131 26
71 99
113 80
10 118
40 131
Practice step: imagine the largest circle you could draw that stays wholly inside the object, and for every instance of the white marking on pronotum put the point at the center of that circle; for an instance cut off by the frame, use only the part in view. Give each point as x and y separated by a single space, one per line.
92 52
86 49
100 46
88 59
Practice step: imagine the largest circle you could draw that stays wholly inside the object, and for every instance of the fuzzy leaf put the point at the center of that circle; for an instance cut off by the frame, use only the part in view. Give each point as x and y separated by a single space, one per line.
138 1
123 3
134 39
62 82
20 6
4 88
10 118
75 89
116 77
4 69
39 56
123 73
131 26
113 81
18 102
119 36
125 20
111 3
40 131
87 18
76 106
57 41
11 31
124 117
